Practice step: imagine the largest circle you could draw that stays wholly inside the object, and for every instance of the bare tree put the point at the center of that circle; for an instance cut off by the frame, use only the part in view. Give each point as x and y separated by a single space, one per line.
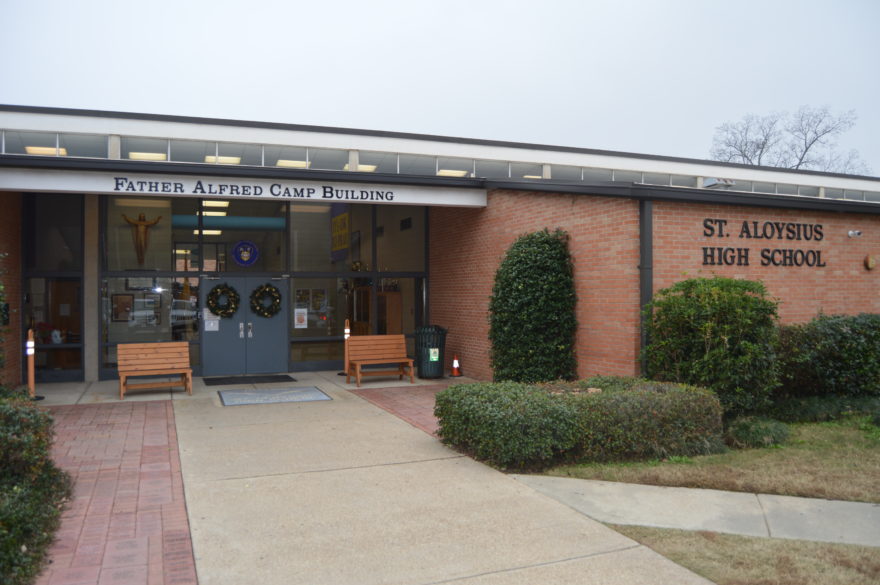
806 140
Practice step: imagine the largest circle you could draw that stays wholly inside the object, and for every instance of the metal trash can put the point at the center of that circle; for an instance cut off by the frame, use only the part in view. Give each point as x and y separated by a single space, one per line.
430 351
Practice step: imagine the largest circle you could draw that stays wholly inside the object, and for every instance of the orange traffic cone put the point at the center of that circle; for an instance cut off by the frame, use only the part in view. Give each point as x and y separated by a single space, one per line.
456 369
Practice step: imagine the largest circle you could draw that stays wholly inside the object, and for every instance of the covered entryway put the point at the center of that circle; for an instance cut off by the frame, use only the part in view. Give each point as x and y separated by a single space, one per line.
245 342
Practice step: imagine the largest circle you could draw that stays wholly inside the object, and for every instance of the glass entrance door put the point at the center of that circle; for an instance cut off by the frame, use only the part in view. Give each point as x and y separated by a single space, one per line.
248 341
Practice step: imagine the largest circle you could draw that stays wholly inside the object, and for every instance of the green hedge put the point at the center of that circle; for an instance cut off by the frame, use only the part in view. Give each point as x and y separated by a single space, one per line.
717 333
506 424
512 425
832 354
532 321
650 420
32 489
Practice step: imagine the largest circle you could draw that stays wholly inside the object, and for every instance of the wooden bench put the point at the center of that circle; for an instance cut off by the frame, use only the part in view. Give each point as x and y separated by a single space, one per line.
366 350
154 359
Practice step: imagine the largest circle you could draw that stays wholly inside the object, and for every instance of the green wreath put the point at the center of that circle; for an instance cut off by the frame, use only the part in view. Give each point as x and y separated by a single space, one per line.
258 300
227 309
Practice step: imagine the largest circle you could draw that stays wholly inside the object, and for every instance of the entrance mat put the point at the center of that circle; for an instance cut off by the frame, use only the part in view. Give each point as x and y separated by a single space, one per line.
264 379
271 396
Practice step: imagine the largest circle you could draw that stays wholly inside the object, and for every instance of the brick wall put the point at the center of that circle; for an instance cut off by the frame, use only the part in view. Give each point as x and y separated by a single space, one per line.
843 285
467 245
10 274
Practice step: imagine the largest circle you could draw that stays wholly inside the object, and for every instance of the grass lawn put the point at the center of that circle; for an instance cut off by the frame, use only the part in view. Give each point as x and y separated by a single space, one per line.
834 460
837 460
728 559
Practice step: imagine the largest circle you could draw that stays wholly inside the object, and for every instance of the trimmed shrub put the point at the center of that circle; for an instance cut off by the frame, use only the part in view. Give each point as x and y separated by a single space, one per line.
506 424
32 490
831 355
717 333
532 322
648 421
822 408
514 425
752 432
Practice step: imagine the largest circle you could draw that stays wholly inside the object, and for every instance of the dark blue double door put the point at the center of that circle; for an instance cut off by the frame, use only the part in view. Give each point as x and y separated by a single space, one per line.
246 342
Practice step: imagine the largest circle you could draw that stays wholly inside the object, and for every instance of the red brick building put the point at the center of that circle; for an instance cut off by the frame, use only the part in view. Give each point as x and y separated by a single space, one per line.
119 227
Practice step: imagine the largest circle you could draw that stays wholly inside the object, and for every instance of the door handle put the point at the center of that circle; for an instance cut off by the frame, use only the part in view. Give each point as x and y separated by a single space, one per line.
241 330
250 330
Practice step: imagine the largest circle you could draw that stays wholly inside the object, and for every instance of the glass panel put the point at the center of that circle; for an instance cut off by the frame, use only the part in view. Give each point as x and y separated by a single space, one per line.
192 151
320 307
306 351
183 311
333 237
526 171
784 189
414 164
401 245
328 159
592 175
740 185
53 236
144 148
683 181
834 193
39 143
151 233
853 195
455 167
872 196
85 145
764 187
293 157
53 310
808 191
627 176
248 236
385 162
240 154
493 169
136 309
565 173
400 305
656 179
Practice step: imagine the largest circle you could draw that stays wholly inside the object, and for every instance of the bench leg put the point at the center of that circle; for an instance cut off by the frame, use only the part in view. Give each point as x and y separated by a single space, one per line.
357 374
121 387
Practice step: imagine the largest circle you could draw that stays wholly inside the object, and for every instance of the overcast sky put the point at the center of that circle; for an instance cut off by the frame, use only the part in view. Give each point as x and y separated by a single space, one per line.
651 76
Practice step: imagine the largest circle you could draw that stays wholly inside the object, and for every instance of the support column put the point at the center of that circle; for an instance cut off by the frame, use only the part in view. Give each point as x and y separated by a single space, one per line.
91 288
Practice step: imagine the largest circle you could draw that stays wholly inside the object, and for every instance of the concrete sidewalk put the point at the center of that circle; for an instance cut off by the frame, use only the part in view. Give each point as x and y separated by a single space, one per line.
343 492
717 511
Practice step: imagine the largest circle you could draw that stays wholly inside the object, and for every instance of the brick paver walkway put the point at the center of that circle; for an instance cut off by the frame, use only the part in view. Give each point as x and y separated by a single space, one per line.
414 404
127 522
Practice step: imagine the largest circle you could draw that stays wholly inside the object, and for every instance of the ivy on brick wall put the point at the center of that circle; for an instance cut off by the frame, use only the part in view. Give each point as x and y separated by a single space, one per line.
532 320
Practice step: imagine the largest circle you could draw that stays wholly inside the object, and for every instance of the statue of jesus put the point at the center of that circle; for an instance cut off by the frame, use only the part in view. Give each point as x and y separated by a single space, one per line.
140 234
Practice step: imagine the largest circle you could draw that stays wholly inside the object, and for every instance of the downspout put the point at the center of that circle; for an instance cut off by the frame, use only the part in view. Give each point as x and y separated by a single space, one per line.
646 269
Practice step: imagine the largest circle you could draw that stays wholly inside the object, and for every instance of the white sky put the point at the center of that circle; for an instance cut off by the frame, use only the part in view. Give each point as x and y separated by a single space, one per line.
647 76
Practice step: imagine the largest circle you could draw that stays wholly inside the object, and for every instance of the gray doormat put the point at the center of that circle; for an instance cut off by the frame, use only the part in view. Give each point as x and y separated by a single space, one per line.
271 396
261 379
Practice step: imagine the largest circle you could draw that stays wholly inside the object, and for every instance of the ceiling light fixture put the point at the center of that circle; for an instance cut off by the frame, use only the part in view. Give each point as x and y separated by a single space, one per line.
212 203
208 232
532 177
213 213
293 164
452 173
45 150
222 160
147 156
